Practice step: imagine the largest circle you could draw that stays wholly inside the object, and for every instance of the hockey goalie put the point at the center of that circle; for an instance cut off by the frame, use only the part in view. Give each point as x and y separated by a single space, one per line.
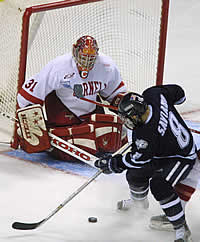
77 121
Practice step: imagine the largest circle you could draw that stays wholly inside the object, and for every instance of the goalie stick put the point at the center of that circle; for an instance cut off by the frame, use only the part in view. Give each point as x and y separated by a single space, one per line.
72 150
30 226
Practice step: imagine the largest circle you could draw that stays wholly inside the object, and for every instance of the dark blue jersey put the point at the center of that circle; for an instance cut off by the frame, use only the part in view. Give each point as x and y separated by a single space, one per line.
165 134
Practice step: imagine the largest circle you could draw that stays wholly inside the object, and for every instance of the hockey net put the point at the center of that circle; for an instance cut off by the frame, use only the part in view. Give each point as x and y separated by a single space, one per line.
132 32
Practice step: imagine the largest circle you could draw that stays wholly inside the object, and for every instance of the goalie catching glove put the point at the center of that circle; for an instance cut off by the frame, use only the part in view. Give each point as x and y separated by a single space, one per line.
109 164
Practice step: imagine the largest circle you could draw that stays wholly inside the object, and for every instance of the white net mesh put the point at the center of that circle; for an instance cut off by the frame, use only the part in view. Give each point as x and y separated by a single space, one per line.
11 17
126 30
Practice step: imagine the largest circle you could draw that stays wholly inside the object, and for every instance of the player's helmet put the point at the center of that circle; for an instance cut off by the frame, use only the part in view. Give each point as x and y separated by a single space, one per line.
131 108
85 52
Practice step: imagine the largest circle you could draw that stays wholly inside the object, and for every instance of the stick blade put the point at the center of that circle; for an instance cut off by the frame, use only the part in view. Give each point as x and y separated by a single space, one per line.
25 226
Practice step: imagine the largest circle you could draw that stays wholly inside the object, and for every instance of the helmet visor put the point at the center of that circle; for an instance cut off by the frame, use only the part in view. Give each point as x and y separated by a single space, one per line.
86 61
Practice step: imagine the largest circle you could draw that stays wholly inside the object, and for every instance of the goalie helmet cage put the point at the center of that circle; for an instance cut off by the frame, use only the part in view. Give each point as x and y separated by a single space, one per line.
132 32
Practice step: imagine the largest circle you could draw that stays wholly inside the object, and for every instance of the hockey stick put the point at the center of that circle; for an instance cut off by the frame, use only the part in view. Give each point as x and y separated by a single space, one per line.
30 226
75 152
78 92
195 131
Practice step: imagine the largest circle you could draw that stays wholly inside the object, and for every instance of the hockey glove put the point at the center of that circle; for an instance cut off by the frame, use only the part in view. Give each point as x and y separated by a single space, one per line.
110 164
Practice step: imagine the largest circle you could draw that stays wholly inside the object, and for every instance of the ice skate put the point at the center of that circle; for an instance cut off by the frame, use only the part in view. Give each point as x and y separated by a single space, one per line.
161 222
125 204
183 234
130 203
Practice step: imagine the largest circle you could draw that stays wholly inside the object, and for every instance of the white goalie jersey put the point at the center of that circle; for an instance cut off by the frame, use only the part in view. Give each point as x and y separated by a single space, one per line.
61 74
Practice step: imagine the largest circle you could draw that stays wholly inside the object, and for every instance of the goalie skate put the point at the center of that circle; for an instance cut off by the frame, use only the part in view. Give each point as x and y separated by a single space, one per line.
161 222
129 203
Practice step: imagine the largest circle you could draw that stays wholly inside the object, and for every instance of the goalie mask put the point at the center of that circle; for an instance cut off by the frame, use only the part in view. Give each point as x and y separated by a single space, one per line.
85 52
130 110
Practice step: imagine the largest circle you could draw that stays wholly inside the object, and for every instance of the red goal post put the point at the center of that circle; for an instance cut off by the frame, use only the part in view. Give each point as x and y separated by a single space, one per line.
132 32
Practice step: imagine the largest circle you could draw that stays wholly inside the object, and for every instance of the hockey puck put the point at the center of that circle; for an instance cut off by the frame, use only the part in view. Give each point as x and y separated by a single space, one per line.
92 219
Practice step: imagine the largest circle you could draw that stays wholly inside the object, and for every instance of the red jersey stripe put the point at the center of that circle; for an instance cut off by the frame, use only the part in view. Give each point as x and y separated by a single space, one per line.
120 85
30 98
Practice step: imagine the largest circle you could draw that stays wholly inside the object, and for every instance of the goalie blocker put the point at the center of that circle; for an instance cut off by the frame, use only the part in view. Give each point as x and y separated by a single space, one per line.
103 133
33 134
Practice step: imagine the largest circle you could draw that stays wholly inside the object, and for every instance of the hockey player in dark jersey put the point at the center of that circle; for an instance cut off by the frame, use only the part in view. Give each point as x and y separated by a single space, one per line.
163 152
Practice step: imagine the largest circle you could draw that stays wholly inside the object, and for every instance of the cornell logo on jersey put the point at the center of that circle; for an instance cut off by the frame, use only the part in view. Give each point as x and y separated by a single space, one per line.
141 144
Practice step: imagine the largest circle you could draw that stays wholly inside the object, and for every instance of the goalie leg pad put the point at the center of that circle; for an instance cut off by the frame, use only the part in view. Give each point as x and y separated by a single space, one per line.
34 135
108 131
184 192
102 134
187 186
83 136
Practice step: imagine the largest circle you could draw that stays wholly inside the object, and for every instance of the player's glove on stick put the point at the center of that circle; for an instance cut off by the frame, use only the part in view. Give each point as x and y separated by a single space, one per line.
110 164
